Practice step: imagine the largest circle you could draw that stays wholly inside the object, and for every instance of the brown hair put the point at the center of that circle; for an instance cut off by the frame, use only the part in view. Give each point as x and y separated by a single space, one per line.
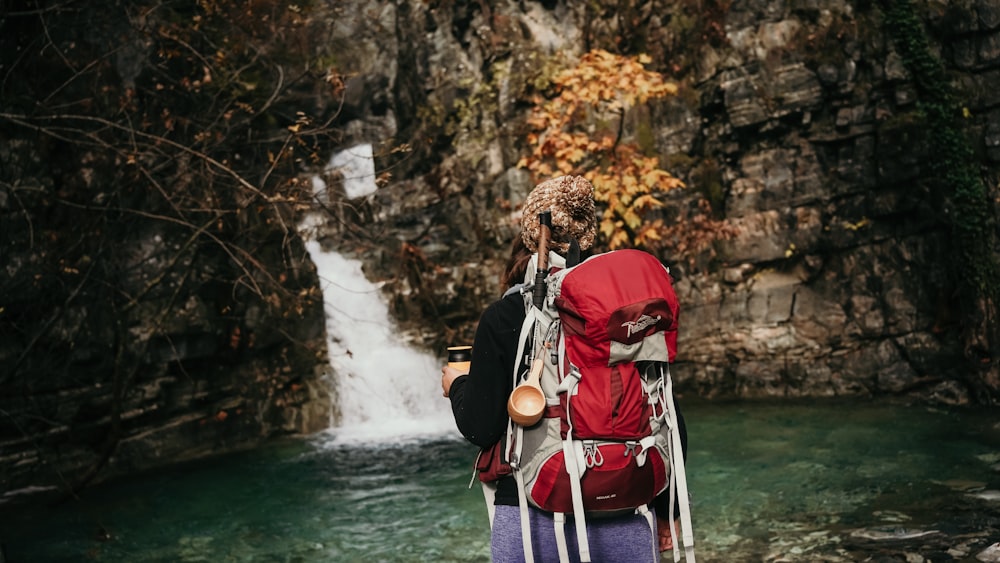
516 266
517 263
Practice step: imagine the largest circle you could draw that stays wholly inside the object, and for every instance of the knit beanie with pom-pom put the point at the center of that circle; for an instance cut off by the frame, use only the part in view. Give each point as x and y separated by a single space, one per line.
571 201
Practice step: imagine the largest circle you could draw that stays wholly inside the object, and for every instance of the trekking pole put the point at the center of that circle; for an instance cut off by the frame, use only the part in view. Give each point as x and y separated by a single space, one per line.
544 234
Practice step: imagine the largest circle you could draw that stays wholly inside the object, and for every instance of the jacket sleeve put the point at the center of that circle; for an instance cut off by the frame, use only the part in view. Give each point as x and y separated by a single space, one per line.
479 399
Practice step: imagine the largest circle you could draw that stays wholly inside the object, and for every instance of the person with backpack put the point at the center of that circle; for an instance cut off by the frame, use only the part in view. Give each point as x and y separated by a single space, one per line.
479 402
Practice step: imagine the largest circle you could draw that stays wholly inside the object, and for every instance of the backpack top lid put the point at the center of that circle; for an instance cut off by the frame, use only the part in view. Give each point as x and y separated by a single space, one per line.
618 306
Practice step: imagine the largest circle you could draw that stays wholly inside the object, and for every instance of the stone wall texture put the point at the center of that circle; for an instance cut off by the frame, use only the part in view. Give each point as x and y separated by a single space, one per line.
798 119
801 115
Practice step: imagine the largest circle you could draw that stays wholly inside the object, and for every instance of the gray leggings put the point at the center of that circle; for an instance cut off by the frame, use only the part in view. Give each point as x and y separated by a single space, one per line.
626 538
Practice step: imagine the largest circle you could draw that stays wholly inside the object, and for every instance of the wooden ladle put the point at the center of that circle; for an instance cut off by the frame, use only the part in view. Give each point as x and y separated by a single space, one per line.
526 404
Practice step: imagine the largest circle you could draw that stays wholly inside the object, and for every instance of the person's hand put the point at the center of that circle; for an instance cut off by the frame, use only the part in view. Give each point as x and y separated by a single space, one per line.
663 531
448 375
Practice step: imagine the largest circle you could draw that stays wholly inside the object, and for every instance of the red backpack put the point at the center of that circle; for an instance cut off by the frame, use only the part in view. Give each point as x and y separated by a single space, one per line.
598 341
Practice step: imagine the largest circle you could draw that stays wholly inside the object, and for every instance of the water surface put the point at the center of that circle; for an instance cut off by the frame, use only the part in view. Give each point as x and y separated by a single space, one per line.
806 481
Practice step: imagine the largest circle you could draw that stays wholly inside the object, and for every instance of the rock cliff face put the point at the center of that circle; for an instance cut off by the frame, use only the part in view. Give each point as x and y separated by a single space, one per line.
801 122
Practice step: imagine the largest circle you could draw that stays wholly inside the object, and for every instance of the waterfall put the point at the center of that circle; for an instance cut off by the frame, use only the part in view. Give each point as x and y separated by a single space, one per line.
386 390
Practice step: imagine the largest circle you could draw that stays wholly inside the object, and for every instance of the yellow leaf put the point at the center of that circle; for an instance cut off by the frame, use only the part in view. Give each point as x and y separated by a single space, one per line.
646 202
607 228
632 219
619 240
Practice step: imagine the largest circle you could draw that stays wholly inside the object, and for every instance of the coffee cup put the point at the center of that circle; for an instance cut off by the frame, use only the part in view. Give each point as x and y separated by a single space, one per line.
460 357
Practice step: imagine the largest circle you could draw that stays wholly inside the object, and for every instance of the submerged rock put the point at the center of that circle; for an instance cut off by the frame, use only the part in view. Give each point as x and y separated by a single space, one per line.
963 485
883 533
991 554
990 495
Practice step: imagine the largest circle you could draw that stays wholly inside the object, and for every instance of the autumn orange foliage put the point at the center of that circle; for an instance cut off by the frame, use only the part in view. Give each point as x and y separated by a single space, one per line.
579 131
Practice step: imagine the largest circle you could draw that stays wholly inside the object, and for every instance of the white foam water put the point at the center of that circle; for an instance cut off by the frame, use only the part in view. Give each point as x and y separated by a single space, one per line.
357 168
386 390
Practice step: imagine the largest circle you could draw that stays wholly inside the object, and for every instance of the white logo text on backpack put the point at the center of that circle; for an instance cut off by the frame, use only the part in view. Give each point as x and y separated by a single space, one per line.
644 322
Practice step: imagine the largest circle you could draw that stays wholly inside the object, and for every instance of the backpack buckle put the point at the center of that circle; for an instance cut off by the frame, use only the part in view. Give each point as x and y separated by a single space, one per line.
632 448
592 454
515 462
569 383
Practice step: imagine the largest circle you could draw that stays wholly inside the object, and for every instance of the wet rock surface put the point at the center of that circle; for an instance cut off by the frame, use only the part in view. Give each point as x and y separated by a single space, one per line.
835 283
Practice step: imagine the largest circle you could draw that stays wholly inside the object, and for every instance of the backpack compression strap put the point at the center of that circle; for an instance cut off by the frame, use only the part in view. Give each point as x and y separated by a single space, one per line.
522 500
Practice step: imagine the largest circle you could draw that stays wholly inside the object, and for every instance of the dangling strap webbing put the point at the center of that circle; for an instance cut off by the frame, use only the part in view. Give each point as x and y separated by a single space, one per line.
570 458
674 540
560 524
490 493
651 520
680 477
522 501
